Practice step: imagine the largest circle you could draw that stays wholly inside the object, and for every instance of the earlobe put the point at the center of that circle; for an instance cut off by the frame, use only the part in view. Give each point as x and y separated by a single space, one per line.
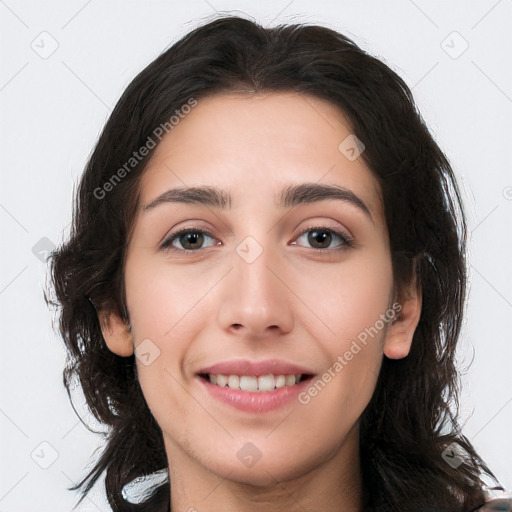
400 332
116 333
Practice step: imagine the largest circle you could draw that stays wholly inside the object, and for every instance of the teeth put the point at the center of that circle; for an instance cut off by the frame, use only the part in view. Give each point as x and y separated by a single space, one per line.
267 383
222 380
280 381
234 382
253 383
248 383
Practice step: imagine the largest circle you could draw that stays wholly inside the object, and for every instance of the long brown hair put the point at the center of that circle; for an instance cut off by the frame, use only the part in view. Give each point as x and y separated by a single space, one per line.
412 418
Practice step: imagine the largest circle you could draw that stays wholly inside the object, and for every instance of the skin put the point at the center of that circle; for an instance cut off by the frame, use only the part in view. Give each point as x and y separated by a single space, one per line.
293 302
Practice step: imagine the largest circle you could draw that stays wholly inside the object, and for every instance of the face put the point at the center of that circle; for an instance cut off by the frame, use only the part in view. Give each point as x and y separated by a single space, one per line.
273 273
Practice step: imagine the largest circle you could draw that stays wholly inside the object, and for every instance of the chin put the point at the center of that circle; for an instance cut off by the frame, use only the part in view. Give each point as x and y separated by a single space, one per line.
271 468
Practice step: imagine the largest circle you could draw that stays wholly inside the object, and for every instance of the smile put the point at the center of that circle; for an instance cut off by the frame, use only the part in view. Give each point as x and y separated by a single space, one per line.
253 383
255 386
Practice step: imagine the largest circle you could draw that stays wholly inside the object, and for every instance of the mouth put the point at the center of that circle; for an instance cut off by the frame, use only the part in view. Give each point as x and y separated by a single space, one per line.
255 386
254 383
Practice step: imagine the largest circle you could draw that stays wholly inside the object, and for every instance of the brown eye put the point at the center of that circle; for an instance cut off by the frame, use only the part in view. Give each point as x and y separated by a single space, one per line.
188 240
323 238
192 240
319 239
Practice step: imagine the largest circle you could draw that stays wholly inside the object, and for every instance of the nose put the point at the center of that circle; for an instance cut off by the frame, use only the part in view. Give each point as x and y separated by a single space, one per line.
256 300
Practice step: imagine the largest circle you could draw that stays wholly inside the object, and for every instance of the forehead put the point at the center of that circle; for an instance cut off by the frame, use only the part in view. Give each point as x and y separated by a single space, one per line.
255 144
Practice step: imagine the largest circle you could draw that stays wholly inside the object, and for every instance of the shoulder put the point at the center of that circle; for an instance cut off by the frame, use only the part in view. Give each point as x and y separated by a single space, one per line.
496 505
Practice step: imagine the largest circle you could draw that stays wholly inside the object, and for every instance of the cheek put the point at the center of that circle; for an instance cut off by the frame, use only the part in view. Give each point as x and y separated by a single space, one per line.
352 308
167 314
162 299
347 298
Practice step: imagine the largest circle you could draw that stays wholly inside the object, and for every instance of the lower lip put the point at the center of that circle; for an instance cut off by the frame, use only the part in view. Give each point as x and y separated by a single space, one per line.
255 401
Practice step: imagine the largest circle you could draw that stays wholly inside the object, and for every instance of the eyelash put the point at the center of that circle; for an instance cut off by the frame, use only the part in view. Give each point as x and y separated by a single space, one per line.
346 241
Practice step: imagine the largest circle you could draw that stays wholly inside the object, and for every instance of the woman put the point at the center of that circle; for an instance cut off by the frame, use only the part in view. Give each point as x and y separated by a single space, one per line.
263 288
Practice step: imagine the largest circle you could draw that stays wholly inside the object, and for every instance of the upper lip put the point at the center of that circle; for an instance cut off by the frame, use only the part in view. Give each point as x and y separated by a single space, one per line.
256 368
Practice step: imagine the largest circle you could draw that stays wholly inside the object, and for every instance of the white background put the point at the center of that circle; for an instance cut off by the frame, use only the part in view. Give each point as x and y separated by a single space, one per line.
52 110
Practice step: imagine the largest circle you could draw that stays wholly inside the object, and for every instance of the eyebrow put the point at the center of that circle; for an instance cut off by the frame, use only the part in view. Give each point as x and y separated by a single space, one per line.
289 197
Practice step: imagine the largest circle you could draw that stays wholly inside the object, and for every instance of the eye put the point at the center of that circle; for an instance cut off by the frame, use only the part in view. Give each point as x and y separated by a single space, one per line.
324 238
188 240
320 238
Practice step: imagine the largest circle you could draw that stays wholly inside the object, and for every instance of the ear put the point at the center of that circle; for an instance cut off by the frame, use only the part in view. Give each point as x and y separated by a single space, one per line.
116 333
400 332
